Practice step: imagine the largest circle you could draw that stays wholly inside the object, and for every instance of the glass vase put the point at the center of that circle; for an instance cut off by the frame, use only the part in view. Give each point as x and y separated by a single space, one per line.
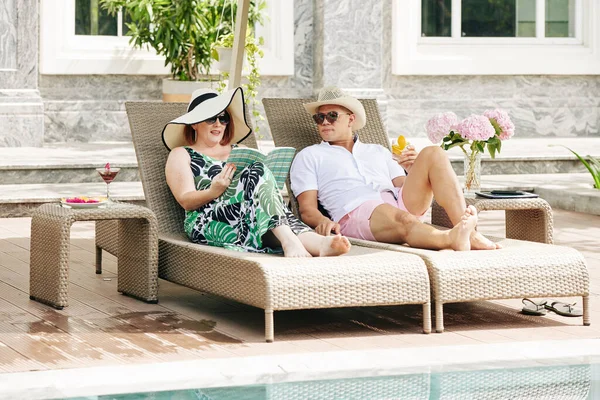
472 166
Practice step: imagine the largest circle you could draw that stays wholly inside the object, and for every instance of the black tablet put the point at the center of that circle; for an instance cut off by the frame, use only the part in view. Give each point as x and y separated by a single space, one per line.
507 194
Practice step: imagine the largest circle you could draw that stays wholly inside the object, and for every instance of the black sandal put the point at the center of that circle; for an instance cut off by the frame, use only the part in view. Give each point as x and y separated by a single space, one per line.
534 308
564 309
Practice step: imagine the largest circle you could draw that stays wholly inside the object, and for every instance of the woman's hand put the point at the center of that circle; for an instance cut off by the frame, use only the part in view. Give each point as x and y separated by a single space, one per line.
407 158
222 180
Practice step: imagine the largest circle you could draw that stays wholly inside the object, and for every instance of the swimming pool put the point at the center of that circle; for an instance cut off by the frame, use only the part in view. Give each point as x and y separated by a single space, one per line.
547 369
545 382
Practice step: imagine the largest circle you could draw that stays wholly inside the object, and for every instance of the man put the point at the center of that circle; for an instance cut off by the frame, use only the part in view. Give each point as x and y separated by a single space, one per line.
366 192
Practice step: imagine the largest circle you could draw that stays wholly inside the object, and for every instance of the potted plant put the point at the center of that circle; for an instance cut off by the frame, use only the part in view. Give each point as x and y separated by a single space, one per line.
183 32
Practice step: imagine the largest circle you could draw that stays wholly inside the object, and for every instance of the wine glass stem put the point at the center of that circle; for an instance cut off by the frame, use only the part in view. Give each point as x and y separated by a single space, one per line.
107 191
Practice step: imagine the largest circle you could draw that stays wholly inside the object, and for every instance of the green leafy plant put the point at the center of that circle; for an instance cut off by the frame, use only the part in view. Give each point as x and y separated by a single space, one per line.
183 31
592 165
252 52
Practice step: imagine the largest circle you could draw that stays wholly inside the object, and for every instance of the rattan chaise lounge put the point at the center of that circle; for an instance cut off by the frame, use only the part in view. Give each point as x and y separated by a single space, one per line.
520 269
364 277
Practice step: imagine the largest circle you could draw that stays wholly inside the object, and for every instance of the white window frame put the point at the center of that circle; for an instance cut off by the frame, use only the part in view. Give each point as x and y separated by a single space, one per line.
64 53
456 55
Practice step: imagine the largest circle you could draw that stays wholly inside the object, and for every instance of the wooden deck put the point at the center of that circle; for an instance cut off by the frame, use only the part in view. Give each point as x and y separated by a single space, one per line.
102 327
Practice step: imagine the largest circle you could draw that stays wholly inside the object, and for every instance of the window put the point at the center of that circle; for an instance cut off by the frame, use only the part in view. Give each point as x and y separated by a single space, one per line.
560 18
78 37
473 37
503 18
91 19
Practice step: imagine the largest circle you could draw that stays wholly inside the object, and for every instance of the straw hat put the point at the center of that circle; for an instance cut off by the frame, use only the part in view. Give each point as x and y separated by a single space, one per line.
334 96
205 104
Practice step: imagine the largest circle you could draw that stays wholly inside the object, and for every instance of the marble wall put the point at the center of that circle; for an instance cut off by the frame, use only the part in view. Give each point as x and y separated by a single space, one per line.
21 107
8 34
540 106
92 108
350 53
337 42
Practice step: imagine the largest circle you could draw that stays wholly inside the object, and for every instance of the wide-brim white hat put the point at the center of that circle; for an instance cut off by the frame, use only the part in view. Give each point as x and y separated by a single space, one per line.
335 96
205 104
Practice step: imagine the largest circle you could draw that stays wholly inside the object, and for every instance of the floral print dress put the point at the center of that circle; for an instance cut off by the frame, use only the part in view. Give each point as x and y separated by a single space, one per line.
249 208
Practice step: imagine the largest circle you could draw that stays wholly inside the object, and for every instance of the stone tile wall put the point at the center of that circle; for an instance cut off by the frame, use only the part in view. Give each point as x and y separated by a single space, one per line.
8 35
21 108
540 106
337 42
92 108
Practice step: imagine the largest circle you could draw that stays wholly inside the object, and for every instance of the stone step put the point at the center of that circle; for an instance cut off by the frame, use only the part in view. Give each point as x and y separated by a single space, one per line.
63 174
86 172
515 165
21 200
76 163
573 192
66 163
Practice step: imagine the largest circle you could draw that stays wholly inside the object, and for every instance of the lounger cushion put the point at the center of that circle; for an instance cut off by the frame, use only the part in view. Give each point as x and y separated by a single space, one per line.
519 269
363 277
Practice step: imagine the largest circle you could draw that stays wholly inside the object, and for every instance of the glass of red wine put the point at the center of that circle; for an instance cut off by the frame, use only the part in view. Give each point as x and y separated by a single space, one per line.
108 174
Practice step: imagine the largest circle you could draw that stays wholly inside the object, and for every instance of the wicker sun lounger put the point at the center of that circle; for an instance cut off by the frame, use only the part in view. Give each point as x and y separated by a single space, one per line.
364 277
521 269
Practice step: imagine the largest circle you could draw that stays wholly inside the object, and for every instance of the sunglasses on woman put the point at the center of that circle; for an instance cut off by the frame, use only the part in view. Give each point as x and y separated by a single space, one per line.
223 119
331 117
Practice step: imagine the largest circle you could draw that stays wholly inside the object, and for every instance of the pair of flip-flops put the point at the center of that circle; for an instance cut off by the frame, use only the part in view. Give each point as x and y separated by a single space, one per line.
542 307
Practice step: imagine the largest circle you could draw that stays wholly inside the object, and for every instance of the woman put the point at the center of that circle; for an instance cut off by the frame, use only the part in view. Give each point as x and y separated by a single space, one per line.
239 211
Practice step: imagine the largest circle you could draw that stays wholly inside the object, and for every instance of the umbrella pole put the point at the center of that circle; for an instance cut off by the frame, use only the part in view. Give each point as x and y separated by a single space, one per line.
239 42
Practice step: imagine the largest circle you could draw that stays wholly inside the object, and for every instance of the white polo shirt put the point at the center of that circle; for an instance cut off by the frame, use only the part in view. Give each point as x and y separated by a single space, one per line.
344 180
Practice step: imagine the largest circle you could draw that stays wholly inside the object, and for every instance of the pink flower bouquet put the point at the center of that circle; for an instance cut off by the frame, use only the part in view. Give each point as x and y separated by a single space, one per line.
440 125
476 131
503 126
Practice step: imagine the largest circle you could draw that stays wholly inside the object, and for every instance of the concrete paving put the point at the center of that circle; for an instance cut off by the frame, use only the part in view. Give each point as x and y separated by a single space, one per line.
103 328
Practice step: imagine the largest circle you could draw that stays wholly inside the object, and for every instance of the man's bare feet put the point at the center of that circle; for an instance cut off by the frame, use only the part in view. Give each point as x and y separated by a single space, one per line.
480 242
460 235
334 246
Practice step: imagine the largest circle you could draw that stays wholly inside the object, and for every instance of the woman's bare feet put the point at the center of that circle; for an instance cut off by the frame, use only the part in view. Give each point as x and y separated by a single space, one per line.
460 235
334 246
294 250
292 246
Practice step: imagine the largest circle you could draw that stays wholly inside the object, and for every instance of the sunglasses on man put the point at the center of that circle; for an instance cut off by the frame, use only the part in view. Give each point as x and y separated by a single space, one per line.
331 117
223 119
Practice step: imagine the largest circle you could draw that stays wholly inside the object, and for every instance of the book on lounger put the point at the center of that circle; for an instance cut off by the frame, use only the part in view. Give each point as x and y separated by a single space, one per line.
279 160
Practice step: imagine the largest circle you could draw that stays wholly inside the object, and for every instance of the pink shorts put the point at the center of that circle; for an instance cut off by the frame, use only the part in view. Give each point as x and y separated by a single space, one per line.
356 223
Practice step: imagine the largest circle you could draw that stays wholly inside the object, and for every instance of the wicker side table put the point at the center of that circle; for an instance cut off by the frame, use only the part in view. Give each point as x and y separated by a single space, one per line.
526 219
50 249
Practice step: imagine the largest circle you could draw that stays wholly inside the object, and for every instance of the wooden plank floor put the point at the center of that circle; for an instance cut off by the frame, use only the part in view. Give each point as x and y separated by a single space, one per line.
102 327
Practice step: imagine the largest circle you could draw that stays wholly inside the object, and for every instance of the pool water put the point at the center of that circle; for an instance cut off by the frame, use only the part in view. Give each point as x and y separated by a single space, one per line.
548 382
